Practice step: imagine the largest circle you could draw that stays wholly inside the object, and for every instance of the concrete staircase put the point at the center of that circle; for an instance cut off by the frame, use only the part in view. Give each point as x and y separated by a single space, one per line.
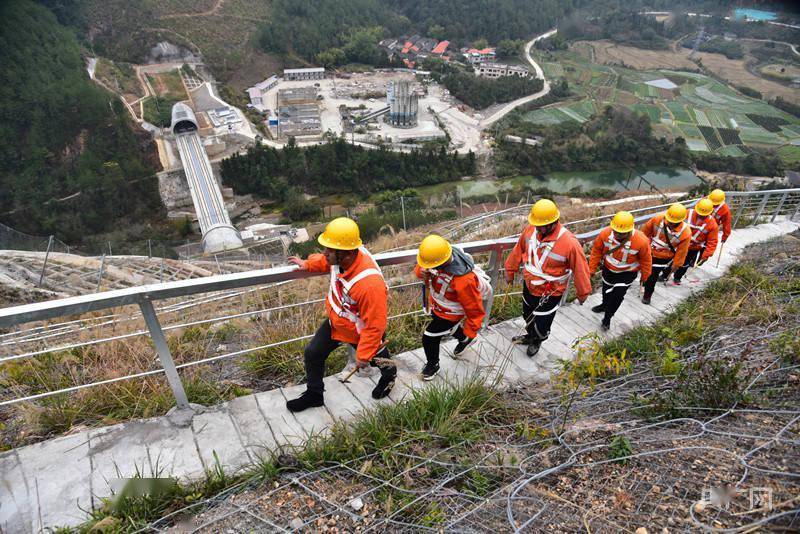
49 484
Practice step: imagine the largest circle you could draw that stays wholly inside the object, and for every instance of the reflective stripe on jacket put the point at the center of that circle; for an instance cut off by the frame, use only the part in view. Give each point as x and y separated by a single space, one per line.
634 255
356 302
722 214
455 297
659 247
550 262
705 234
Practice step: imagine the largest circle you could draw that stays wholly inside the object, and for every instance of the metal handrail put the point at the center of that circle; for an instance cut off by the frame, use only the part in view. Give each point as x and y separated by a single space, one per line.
787 200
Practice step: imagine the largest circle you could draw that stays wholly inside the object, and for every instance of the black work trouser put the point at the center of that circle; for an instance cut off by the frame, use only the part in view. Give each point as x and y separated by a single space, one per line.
660 265
692 258
437 329
317 351
538 313
613 294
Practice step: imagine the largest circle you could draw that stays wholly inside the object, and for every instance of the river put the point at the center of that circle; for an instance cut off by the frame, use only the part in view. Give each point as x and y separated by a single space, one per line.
566 182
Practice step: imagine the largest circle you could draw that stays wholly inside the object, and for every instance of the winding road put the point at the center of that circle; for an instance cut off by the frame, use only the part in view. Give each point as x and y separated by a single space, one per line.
505 110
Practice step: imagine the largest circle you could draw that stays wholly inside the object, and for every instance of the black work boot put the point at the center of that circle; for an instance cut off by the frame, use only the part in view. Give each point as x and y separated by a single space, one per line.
463 345
309 399
430 370
646 298
533 348
384 387
606 324
522 340
599 308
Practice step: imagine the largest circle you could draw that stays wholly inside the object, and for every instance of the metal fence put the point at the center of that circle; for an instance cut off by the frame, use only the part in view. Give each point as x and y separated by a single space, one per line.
748 208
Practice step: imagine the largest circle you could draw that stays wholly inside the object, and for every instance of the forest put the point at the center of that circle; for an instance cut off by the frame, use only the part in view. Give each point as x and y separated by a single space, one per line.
479 92
63 136
338 167
612 139
616 138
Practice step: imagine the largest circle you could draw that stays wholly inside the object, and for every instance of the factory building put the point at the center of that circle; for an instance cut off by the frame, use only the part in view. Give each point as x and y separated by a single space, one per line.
497 70
314 73
403 104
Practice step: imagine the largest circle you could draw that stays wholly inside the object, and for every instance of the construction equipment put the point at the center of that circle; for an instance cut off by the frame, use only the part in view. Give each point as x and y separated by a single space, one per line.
543 213
433 252
720 254
341 233
380 362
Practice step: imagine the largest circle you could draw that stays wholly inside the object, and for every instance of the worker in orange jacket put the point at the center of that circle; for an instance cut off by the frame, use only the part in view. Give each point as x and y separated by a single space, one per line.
624 252
551 256
669 243
722 213
357 310
455 298
703 242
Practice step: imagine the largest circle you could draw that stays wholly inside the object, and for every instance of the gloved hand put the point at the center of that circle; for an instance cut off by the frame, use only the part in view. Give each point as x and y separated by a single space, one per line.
510 276
362 364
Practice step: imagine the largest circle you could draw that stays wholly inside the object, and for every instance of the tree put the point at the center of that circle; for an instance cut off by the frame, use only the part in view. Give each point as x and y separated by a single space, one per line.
331 57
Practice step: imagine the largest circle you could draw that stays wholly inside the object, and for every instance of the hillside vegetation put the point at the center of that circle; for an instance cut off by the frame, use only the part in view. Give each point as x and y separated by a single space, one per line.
63 136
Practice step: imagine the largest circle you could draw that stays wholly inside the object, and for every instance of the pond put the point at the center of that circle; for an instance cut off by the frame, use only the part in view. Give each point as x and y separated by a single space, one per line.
564 182
754 14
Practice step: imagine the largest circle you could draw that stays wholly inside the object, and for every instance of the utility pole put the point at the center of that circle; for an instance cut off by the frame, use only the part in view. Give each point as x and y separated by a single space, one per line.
403 208
109 249
149 249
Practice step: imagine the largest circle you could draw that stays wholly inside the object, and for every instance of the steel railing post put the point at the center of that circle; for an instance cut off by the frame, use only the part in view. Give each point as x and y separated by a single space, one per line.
157 335
493 272
739 212
797 208
100 273
780 205
46 257
761 207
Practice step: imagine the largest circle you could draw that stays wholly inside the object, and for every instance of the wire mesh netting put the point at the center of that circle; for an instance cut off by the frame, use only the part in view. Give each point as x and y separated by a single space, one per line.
599 463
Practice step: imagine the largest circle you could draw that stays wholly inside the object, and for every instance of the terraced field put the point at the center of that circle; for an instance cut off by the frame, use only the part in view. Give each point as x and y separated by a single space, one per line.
708 114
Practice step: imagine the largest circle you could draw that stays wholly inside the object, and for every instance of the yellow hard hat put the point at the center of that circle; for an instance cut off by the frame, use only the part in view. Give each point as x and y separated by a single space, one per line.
717 196
676 213
433 251
543 213
704 207
341 234
622 222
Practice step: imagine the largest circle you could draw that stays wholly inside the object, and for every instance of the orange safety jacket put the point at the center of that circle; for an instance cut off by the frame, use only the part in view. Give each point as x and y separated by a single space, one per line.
704 233
356 303
549 263
665 243
722 214
633 255
454 297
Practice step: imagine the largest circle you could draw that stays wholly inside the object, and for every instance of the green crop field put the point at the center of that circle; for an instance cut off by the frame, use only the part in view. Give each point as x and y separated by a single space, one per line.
699 102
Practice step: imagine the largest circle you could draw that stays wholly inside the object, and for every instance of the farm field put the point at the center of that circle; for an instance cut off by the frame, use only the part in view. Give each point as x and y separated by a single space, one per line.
708 114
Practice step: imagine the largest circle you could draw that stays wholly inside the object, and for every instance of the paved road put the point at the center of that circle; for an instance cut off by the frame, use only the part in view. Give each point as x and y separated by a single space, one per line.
505 110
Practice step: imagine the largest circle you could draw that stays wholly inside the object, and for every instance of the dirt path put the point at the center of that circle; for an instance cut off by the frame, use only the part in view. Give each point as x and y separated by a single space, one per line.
212 11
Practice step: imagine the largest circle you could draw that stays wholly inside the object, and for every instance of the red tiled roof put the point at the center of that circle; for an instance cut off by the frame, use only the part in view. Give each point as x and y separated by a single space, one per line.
407 47
441 47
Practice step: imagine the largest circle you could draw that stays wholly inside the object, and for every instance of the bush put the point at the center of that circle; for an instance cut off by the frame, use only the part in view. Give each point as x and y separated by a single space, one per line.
702 388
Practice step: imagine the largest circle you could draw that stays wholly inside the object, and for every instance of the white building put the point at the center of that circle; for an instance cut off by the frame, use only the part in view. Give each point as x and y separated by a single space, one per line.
314 73
256 93
496 70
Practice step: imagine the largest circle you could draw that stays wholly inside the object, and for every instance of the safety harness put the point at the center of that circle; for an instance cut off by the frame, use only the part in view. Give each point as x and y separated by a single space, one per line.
621 264
538 253
697 230
663 240
339 293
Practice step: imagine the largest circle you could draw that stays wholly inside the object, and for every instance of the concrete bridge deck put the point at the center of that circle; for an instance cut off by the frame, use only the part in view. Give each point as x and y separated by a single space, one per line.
52 483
